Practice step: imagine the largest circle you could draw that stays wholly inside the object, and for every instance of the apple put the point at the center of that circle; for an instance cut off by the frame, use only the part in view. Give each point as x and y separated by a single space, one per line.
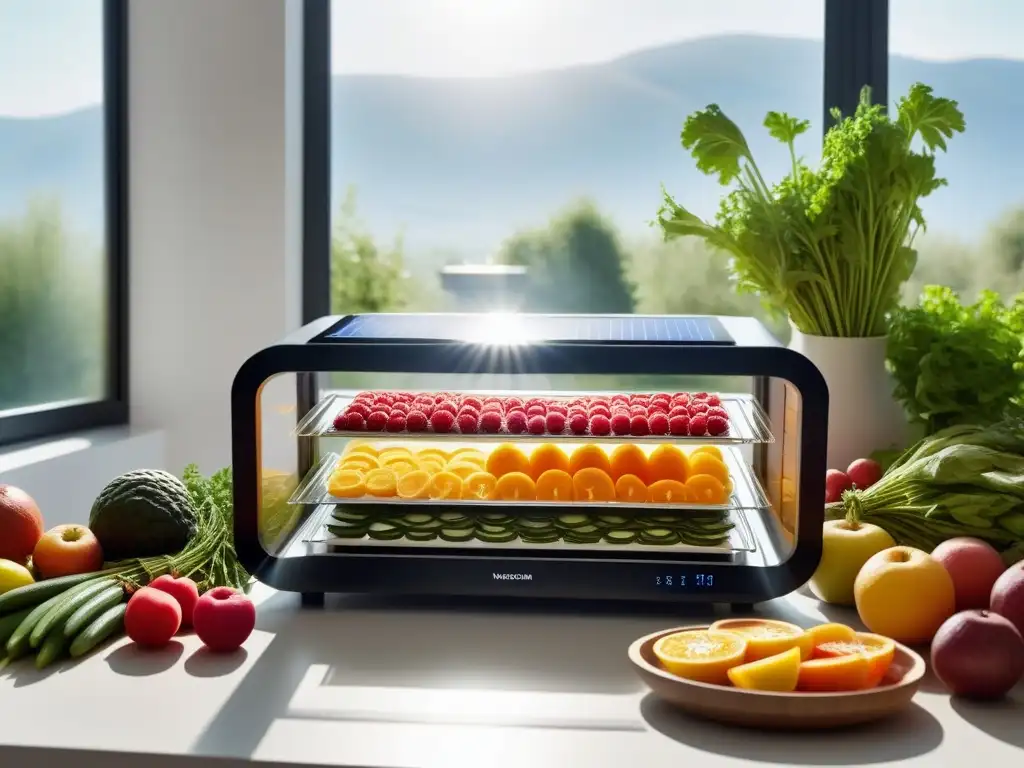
224 619
184 590
845 547
978 655
67 550
835 483
1008 596
864 473
975 566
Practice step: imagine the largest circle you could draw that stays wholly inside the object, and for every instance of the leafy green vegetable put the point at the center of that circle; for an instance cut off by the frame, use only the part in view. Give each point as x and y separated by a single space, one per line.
830 247
954 363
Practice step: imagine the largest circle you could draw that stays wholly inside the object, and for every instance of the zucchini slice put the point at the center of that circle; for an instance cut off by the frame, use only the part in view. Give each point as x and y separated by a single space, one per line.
457 534
573 521
613 520
501 536
620 536
385 531
539 537
416 519
347 531
659 536
418 535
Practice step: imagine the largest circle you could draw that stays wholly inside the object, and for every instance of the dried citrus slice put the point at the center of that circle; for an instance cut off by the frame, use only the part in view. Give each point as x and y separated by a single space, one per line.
629 459
667 492
515 486
394 452
432 454
506 458
592 484
667 462
630 489
767 637
462 468
589 456
701 654
706 464
840 673
359 461
346 484
773 673
479 486
413 485
430 465
705 489
472 455
547 456
403 467
363 448
380 482
554 485
877 649
711 450
445 485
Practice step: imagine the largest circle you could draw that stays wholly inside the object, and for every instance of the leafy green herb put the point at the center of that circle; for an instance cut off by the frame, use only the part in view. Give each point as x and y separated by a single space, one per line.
830 247
954 363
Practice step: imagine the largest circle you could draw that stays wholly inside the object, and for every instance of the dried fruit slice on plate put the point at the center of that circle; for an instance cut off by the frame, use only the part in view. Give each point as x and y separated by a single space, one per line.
346 484
703 655
767 637
833 675
878 650
774 673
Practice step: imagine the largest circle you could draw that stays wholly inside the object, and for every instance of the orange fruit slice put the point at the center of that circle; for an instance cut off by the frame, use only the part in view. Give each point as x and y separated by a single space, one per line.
767 637
711 450
471 455
479 486
363 448
547 456
432 454
592 484
507 458
774 673
445 485
830 633
705 464
630 489
841 673
430 465
878 650
667 492
705 489
413 485
515 486
392 454
701 654
463 468
554 485
629 459
667 462
402 467
381 482
359 461
346 484
589 456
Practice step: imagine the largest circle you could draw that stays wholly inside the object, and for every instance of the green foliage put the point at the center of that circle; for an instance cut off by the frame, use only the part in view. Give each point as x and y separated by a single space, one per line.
52 312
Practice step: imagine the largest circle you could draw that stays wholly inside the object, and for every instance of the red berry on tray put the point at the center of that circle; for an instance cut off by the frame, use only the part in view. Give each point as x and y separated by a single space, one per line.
472 402
446 405
516 422
698 407
659 406
536 410
470 410
376 421
363 409
416 421
600 410
341 421
679 425
658 423
555 423
680 398
717 410
639 426
643 400
440 397
698 425
558 408
510 402
678 410
492 408
701 396
490 422
713 400
620 423
442 420
467 422
404 397
396 422
536 424
578 423
400 407
599 401
383 399
600 425
717 426
354 422
637 410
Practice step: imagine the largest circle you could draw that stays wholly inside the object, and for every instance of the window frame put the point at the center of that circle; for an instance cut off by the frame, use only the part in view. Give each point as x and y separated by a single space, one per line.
49 420
856 53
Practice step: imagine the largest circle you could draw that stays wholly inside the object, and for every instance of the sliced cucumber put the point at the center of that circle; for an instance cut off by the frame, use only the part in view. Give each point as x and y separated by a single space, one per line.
573 521
613 520
457 534
619 536
500 536
539 537
572 537
495 518
526 524
416 535
494 530
659 536
349 515
431 525
385 531
452 518
347 531
416 519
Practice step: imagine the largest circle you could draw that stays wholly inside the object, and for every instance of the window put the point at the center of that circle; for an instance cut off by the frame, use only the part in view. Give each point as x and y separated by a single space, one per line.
62 302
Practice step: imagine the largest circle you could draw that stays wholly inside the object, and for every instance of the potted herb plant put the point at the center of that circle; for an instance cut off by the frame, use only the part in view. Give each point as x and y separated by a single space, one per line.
830 248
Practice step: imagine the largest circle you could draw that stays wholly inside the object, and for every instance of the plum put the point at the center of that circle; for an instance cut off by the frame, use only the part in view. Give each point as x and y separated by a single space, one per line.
864 473
978 655
1008 596
975 566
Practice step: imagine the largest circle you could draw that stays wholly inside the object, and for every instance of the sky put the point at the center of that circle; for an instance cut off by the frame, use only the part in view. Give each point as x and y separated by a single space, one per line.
51 58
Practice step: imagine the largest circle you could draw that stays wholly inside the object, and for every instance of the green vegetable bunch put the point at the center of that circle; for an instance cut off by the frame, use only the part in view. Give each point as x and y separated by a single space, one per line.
830 247
957 364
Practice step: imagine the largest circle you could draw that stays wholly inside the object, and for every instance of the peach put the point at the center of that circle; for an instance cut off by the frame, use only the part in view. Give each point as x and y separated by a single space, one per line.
974 565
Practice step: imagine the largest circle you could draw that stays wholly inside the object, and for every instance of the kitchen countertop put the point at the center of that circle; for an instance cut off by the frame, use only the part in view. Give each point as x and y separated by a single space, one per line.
406 684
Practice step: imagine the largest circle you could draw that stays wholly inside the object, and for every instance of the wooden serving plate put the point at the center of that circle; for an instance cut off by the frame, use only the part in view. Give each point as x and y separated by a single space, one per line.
788 711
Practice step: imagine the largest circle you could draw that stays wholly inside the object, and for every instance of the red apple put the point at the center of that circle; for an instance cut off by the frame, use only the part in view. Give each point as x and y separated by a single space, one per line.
184 590
835 483
151 618
224 619
1008 596
978 655
974 565
864 473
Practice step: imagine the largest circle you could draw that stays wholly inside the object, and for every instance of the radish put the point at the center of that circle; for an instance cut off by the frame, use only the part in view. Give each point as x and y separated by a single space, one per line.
864 473
836 481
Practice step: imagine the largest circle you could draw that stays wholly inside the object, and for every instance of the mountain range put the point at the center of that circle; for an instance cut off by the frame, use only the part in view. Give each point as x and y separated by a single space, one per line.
459 164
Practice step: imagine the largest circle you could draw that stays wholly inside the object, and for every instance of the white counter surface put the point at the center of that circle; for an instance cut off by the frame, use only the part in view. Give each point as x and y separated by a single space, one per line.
398 686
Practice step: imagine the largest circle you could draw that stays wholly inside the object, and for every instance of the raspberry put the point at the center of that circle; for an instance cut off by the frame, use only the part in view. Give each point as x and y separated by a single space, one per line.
510 411
679 425
698 407
639 426
639 400
472 402
442 421
578 423
536 425
516 422
576 411
440 397
536 401
620 424
400 407
680 398
659 406
467 422
659 424
558 408
600 425
624 399
600 410
662 396
446 405
470 410
555 423
679 410
600 401
510 402
718 411
701 396
492 408
637 410
396 422
490 421
383 399
353 421
713 400
536 410
416 421
698 425
717 425
423 404
376 421
363 409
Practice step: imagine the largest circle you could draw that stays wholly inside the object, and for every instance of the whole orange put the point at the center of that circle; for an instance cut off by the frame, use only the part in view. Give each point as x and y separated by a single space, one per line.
67 550
21 524
904 593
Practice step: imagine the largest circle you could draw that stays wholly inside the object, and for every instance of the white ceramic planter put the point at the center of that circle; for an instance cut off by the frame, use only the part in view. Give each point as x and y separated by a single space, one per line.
863 417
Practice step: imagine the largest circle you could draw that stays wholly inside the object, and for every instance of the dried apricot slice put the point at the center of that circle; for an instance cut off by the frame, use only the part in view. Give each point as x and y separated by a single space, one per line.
840 673
667 492
877 649
706 464
701 654
774 673
413 485
445 485
629 459
667 462
507 458
767 637
589 456
554 485
547 456
381 482
711 450
515 486
479 486
592 484
705 489
630 489
346 484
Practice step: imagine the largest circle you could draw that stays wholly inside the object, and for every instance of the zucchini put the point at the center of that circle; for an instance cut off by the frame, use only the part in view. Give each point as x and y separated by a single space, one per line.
492 529
417 519
92 608
501 536
453 518
525 524
349 516
74 598
659 537
495 518
540 537
457 534
385 531
33 594
432 525
53 647
348 531
573 521
102 627
418 535
613 520
18 642
10 622
619 536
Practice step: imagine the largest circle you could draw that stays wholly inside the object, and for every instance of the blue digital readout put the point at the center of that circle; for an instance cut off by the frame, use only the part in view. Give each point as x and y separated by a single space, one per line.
686 580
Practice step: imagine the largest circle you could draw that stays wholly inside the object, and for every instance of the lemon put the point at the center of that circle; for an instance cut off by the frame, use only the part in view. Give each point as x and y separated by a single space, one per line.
13 576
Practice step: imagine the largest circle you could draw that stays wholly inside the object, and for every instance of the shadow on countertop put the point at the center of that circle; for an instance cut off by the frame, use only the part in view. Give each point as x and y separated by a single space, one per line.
999 719
133 661
914 733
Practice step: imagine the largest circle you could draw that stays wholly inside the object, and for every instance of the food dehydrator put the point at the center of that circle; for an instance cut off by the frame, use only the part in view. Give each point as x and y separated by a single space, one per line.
643 458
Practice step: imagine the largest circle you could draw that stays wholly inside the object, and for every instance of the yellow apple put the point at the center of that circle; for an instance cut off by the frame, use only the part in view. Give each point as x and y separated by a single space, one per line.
845 547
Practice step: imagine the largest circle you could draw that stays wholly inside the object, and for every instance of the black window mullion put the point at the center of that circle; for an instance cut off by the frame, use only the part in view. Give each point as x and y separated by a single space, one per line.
856 53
